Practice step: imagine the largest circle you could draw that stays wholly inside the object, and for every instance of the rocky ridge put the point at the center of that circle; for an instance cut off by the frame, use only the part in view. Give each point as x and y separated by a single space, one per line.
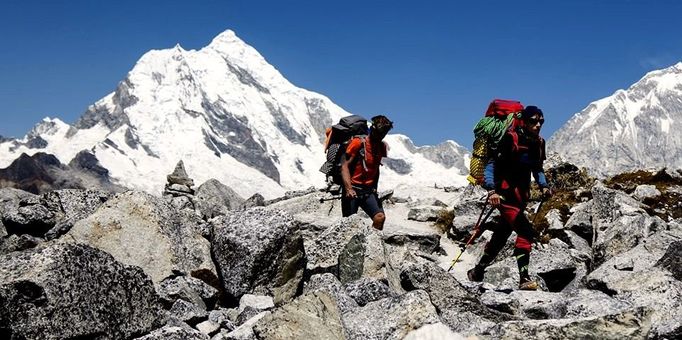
163 268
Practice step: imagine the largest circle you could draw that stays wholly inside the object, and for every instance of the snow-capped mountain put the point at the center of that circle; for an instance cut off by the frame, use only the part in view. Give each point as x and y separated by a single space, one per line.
637 128
228 115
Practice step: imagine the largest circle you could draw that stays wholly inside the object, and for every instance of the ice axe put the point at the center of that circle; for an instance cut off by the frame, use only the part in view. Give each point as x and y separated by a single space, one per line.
477 232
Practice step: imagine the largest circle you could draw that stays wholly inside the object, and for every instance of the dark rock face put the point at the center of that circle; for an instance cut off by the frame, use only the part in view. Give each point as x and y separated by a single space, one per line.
400 166
95 113
174 333
74 291
229 135
43 172
259 251
672 260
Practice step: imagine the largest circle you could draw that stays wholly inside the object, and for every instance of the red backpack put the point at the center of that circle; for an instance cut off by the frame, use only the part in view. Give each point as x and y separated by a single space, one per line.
488 133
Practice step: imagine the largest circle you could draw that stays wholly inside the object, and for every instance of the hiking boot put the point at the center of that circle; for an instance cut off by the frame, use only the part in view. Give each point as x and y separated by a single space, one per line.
475 274
528 284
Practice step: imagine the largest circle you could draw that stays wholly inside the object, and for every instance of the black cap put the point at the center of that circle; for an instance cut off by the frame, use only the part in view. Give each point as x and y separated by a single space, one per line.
531 111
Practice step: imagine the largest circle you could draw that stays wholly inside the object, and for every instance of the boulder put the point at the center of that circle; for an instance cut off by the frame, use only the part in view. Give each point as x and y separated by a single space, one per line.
424 213
60 291
174 333
256 200
323 251
554 220
214 199
362 256
583 303
391 318
259 251
143 230
580 221
633 324
310 316
18 242
329 284
71 206
32 218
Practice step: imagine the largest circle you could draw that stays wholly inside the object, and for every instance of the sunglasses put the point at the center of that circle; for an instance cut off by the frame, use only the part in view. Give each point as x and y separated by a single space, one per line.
534 121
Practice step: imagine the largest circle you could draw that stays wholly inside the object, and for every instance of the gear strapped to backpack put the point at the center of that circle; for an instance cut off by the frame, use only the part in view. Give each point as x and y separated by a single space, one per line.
500 116
338 137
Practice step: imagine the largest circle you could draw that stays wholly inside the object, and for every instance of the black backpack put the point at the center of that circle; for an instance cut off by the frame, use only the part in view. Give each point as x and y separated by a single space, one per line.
338 137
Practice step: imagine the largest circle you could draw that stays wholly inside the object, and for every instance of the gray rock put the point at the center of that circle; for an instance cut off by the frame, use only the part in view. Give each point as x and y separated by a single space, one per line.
71 206
18 242
180 189
329 284
500 301
60 291
221 316
174 333
435 331
256 200
188 312
3 231
323 252
447 294
554 219
143 230
627 325
363 256
310 316
580 221
660 291
208 327
540 305
584 303
259 251
258 302
645 191
214 199
556 266
391 318
179 176
246 314
189 289
425 213
245 331
10 198
366 290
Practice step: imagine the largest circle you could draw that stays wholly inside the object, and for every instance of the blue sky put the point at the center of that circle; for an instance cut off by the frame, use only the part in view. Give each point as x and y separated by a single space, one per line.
432 66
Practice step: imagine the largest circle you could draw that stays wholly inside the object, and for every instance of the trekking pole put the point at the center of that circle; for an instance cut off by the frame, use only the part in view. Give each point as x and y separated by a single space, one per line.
477 232
322 199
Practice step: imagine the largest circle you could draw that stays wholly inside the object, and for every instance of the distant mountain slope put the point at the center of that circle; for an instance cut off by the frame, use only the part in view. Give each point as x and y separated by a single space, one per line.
637 128
228 115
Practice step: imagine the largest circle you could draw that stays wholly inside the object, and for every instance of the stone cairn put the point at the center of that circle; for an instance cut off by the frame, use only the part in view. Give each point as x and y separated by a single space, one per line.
179 189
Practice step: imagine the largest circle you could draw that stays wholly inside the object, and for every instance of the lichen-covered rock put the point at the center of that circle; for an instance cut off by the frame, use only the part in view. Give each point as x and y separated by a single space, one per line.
366 290
323 252
71 206
214 199
33 219
60 291
310 316
188 312
259 251
18 242
143 230
391 318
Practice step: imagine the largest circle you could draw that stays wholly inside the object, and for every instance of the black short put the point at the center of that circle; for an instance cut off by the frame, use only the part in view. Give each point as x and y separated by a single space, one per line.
368 201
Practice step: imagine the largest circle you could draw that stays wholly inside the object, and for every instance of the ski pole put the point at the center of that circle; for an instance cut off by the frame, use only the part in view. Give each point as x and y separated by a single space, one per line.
322 199
477 232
